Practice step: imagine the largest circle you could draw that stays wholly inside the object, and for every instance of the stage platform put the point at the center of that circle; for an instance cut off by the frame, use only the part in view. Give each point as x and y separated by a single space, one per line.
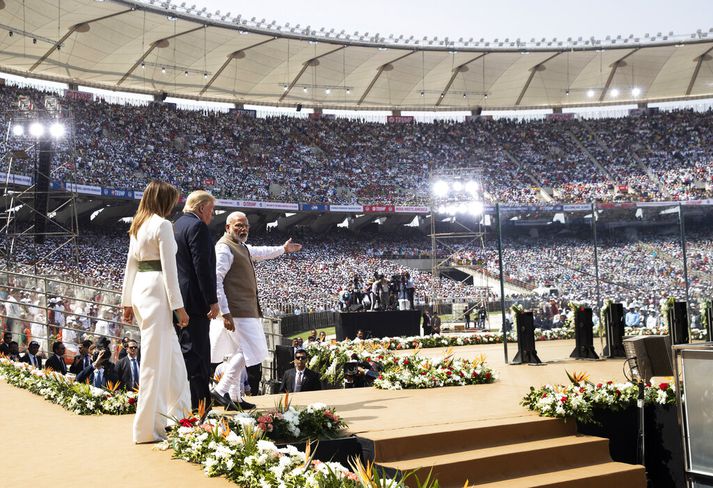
100 447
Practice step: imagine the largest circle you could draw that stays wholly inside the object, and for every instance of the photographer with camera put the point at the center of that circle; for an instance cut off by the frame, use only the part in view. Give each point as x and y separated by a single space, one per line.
360 374
101 370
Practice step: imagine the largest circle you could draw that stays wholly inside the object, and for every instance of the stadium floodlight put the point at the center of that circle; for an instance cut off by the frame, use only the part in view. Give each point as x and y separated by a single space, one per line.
590 93
636 91
440 188
36 129
614 92
18 130
471 187
457 186
476 208
57 130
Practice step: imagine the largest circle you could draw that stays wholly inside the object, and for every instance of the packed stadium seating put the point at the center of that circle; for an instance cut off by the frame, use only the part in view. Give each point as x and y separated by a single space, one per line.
661 156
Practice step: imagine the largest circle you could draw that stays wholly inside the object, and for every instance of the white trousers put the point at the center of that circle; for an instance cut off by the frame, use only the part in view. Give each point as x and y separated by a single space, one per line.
248 336
231 380
164 391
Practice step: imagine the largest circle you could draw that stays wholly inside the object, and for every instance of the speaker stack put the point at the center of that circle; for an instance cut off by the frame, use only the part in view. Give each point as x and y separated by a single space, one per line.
678 323
584 348
526 352
614 323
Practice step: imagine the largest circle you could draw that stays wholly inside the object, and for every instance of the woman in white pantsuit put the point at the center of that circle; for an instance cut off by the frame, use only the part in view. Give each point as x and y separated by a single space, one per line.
150 294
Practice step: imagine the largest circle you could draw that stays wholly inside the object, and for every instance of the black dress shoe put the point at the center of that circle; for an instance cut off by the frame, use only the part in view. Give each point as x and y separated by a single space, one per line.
224 400
246 405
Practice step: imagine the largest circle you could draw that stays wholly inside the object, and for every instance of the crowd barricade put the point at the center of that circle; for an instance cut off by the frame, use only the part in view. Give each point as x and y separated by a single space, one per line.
46 309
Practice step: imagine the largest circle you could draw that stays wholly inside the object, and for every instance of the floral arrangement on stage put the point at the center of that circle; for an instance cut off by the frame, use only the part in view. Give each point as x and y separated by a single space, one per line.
287 423
579 399
80 398
418 372
398 372
237 449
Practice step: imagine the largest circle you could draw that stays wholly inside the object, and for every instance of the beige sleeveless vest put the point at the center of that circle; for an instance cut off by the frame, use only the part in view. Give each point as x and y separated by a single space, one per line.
239 283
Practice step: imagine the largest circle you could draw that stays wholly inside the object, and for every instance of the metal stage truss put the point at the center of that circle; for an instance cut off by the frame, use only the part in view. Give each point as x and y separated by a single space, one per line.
458 236
39 219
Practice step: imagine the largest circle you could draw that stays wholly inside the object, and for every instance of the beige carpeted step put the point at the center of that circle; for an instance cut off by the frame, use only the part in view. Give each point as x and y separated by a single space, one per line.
609 475
507 460
416 442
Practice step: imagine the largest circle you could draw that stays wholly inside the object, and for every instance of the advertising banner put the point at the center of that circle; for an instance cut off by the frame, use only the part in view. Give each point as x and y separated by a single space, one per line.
84 189
346 208
411 209
399 119
379 209
314 207
117 193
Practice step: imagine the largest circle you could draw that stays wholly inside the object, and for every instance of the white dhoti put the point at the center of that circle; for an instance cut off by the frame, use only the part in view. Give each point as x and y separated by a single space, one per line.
246 346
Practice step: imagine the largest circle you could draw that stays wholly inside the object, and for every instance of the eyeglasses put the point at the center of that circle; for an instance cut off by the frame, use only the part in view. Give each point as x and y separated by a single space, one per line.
132 347
300 358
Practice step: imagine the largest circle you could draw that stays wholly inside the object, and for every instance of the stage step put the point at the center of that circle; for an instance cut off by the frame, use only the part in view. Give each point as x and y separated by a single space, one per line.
530 449
609 474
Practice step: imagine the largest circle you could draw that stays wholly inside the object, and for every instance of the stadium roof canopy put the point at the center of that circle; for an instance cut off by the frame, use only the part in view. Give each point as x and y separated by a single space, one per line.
155 47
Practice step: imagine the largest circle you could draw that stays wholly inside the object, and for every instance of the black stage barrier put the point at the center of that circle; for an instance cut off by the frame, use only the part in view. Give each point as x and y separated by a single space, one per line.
584 348
614 324
526 352
379 324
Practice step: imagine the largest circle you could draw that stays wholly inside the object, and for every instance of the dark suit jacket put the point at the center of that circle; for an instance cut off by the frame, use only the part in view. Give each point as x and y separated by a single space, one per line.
57 364
310 382
123 371
88 373
195 261
25 358
78 364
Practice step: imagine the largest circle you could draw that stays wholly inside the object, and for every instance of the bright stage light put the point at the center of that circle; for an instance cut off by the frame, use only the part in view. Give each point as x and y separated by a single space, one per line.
18 130
471 187
440 188
457 186
476 208
636 91
36 129
57 130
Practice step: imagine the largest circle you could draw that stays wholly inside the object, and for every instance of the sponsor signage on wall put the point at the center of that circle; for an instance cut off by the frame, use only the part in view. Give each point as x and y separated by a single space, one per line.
379 208
346 208
399 119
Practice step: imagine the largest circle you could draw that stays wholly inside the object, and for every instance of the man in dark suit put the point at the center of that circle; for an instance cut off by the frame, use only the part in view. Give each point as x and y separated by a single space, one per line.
30 357
5 345
100 371
300 378
128 366
56 361
83 359
195 260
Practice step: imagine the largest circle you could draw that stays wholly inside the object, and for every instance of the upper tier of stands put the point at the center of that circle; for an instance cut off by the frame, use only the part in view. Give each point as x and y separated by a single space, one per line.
664 156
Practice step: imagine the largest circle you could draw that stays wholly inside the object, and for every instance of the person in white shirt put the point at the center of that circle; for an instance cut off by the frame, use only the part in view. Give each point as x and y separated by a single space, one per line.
240 334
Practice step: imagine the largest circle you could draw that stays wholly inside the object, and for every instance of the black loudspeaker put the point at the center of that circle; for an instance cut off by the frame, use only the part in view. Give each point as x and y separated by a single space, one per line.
162 96
283 360
678 323
526 352
42 186
614 324
584 348
649 356
709 329
299 107
477 110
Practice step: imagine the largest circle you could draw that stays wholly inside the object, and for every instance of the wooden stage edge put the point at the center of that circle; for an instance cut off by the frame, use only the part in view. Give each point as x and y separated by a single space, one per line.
100 447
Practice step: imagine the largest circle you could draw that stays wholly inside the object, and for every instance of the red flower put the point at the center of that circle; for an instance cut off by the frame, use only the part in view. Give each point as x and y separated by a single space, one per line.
664 386
581 389
599 385
609 382
188 422
448 373
488 375
406 362
132 401
564 399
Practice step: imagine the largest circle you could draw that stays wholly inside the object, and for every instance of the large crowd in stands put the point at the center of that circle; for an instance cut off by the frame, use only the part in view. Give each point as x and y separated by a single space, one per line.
659 156
641 271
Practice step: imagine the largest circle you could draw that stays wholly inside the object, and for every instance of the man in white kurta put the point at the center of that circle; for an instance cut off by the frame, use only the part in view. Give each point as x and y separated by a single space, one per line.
240 333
